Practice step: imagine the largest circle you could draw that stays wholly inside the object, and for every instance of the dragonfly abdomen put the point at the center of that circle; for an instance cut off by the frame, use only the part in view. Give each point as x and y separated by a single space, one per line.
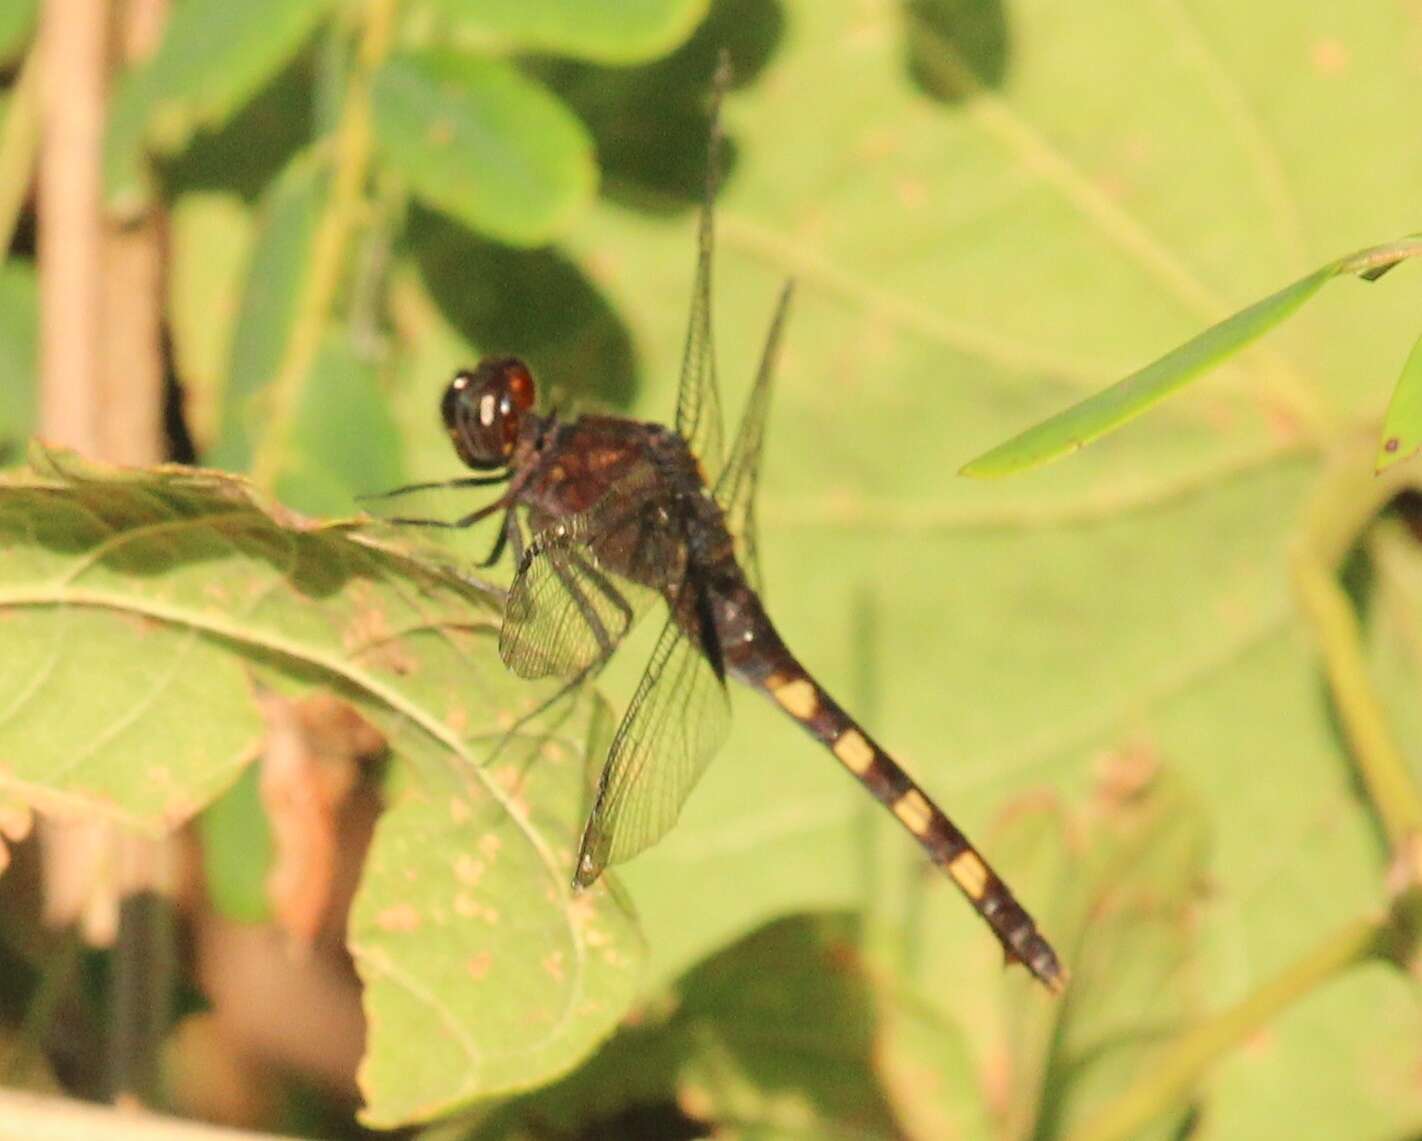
767 665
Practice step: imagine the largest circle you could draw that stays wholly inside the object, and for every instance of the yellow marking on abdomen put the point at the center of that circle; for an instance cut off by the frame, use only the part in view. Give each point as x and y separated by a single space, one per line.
856 754
797 697
969 873
914 811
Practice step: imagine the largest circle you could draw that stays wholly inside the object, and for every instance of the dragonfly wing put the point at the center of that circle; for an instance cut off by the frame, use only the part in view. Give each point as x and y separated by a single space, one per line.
566 612
698 400
677 720
736 488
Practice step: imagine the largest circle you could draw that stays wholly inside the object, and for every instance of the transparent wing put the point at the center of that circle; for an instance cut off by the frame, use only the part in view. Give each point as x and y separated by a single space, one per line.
698 400
567 609
677 720
565 614
736 489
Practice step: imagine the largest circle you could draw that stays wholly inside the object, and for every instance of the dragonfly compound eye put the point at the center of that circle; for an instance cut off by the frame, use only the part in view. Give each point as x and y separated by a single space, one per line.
483 409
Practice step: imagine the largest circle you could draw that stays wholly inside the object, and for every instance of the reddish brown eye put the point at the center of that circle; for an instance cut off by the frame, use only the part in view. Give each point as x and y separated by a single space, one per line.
483 410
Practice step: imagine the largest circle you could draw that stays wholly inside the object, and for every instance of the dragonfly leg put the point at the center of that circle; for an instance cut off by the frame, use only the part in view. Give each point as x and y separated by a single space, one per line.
439 484
499 543
451 524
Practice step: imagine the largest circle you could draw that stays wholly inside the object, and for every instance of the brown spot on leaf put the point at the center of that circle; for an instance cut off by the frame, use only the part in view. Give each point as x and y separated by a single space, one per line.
478 965
489 844
553 964
469 869
459 810
400 917
1330 56
1392 444
1126 773
911 192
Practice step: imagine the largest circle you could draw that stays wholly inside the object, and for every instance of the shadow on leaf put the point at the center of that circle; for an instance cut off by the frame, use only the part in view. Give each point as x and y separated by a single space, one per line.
651 122
953 46
534 303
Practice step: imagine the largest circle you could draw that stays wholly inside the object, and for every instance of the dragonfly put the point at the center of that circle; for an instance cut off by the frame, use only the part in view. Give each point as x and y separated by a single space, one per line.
607 517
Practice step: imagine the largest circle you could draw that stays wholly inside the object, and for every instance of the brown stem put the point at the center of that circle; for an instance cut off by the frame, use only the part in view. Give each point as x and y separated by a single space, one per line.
72 46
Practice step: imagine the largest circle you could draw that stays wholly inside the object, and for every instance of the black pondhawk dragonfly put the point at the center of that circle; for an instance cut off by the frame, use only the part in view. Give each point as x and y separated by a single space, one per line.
620 514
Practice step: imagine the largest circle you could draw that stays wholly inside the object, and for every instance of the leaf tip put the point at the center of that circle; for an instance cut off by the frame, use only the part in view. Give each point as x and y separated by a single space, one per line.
1391 453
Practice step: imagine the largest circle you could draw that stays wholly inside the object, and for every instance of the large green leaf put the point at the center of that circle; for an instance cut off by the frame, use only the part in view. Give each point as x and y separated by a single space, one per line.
144 611
213 57
971 257
622 33
479 140
775 1037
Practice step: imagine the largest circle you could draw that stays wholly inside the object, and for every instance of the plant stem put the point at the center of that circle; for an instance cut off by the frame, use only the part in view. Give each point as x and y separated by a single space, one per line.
1172 1076
352 152
1347 498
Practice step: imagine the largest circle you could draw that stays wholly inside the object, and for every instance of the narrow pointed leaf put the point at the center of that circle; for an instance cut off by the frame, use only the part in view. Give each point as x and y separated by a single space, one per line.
1107 410
1402 427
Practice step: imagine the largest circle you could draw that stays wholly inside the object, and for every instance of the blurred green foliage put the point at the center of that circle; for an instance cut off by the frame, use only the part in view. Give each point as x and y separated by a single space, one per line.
991 208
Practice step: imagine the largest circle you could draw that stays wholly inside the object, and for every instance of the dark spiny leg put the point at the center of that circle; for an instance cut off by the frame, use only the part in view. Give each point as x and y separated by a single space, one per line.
451 524
499 543
439 484
801 697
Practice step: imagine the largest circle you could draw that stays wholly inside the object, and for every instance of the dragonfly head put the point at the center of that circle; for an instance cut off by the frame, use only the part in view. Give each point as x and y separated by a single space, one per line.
483 410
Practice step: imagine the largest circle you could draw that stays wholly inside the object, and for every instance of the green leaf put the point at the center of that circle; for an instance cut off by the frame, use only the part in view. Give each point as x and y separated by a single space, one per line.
1402 426
19 355
343 441
209 240
275 279
483 143
1125 908
145 606
1093 417
777 1036
970 265
17 21
213 58
1128 398
926 1065
237 851
626 33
